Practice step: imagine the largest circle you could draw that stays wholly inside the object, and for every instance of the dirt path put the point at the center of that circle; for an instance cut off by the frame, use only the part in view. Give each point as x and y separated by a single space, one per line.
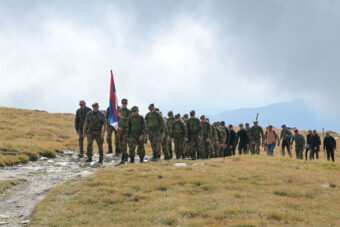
40 177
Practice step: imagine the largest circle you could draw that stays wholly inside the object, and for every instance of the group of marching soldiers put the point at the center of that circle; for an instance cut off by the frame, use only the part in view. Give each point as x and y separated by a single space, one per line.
192 137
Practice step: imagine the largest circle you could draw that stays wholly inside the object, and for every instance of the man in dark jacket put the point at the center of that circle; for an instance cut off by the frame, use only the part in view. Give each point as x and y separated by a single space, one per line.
315 145
329 144
79 124
286 136
242 140
308 140
232 141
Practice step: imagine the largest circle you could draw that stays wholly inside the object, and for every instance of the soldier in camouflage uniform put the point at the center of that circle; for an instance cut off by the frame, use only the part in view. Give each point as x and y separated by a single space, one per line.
186 151
256 133
166 139
213 140
206 133
169 123
123 114
299 144
136 134
249 137
179 135
156 131
194 135
94 128
223 138
219 140
110 131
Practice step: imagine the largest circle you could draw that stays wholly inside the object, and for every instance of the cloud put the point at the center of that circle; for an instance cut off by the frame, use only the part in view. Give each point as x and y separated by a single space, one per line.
209 56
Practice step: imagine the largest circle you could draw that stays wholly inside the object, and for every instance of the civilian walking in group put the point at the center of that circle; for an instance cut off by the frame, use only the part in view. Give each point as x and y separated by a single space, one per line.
231 141
242 140
329 144
308 140
286 137
315 145
270 138
79 124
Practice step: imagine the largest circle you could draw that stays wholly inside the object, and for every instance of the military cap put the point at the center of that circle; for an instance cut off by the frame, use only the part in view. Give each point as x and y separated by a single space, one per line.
230 126
95 104
202 117
207 119
157 109
256 121
177 116
192 112
247 124
151 106
170 113
124 101
240 124
134 108
222 123
185 115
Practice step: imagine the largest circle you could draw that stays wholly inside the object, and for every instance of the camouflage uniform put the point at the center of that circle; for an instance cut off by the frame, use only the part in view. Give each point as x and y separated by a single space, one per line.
256 133
156 127
165 141
169 123
222 139
178 133
110 130
299 145
212 153
136 128
206 133
95 122
123 133
194 134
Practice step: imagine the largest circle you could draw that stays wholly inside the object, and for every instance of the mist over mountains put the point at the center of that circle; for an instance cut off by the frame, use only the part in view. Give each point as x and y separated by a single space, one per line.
296 113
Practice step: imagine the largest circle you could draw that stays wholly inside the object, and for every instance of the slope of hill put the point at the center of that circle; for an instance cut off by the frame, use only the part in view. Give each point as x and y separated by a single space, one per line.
296 113
27 134
238 191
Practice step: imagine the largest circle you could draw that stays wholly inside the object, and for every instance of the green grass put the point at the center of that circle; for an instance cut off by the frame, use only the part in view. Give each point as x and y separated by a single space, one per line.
8 184
240 191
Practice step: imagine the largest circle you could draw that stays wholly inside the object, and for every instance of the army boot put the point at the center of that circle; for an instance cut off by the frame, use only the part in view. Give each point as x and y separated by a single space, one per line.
132 159
117 152
141 159
110 150
123 159
81 155
89 159
100 160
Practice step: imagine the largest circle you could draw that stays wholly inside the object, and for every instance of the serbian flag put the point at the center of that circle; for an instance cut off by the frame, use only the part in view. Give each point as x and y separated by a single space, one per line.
113 104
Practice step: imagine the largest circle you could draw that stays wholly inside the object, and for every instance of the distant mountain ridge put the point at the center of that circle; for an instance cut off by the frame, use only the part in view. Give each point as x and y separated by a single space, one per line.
296 113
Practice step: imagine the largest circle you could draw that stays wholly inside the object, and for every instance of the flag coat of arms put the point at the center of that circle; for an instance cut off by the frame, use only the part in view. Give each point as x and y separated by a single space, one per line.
113 104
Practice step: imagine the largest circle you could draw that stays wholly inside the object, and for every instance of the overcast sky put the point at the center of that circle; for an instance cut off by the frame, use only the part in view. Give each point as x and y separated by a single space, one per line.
181 55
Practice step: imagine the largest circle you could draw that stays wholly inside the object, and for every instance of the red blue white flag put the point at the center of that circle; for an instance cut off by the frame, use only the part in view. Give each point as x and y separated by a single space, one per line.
113 105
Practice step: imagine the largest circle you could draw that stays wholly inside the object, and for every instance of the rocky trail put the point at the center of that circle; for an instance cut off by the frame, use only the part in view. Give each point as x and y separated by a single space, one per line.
36 181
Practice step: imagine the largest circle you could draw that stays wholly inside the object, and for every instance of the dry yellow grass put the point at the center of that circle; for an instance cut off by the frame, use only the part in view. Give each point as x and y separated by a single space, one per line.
27 134
239 191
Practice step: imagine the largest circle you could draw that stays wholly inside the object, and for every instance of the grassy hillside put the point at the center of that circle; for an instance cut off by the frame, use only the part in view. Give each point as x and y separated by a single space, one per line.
27 134
239 191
